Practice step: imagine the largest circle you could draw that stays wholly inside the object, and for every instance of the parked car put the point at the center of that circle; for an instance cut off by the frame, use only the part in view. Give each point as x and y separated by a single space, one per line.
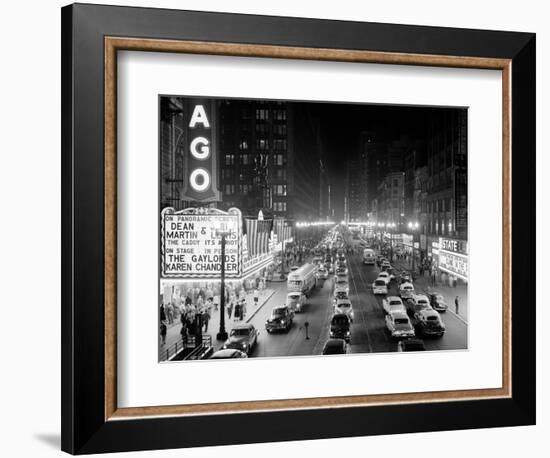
399 325
429 323
295 301
393 304
344 306
280 319
438 302
411 345
243 337
335 347
340 327
380 286
406 291
229 353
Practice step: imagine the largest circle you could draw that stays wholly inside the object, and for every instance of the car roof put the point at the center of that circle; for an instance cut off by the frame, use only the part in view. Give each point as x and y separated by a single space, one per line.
394 298
226 352
343 300
399 314
402 285
243 326
335 342
428 312
422 296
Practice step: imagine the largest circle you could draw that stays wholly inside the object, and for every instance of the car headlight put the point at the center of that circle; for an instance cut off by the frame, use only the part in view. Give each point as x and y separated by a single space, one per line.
243 344
348 333
224 346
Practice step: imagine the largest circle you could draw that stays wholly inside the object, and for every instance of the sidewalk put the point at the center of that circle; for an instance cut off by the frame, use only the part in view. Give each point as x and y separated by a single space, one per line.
449 293
173 333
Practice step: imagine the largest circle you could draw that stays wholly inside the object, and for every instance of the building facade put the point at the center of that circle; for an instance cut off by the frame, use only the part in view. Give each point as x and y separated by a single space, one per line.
262 147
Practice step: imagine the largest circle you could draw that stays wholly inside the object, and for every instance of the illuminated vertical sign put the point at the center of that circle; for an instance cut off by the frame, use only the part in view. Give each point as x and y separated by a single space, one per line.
200 180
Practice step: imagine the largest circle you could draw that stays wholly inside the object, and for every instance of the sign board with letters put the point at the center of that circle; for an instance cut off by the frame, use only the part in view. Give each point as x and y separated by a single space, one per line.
200 151
191 245
453 257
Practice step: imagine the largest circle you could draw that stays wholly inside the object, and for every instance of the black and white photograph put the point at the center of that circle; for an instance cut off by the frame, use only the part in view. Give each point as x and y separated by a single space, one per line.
343 228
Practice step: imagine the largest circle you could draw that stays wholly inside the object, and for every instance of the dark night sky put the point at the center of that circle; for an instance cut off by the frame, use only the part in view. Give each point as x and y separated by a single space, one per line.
341 125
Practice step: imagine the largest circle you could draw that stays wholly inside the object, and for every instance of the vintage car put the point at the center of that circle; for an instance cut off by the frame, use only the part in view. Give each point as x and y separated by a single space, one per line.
399 325
321 274
335 347
411 345
341 284
405 277
429 323
229 353
438 302
406 291
340 327
280 319
342 270
380 286
385 276
393 304
295 301
243 337
344 306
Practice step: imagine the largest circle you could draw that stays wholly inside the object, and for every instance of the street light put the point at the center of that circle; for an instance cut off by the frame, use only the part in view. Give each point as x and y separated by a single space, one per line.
222 333
413 226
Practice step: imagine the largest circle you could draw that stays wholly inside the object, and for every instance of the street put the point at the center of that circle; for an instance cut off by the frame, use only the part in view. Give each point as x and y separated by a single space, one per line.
368 330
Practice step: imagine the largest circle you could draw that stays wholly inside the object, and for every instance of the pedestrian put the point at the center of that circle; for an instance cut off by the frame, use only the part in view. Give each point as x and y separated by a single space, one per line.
207 314
162 313
170 313
238 311
456 304
256 296
230 309
243 308
163 332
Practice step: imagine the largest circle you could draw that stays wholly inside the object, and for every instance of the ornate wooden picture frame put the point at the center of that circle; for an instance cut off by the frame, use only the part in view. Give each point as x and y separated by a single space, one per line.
92 36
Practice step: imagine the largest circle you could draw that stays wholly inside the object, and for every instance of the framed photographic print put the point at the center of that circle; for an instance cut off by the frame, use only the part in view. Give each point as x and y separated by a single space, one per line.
282 228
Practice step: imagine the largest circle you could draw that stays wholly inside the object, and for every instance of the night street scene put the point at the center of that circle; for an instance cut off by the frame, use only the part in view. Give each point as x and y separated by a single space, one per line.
343 228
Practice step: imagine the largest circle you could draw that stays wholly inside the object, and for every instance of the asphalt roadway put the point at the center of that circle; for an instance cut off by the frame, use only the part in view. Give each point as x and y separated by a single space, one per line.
368 331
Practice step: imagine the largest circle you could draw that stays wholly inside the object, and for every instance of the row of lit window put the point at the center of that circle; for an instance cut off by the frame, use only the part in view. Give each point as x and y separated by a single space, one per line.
248 159
262 114
244 189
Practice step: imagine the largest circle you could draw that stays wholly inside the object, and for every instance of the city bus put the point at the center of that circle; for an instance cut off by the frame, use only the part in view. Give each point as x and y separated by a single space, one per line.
369 257
302 279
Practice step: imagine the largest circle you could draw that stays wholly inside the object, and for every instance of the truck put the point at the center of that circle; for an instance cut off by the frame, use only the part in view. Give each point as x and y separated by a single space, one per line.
302 279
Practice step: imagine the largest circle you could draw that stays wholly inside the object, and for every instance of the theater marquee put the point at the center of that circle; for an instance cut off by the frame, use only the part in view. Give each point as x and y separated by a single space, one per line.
191 248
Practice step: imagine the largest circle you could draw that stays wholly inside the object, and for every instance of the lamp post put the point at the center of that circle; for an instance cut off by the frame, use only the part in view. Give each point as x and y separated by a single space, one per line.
222 333
391 227
413 226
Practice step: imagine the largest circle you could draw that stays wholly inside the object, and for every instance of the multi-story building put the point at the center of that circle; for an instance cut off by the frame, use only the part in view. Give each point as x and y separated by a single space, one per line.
354 192
447 198
269 153
391 198
268 157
